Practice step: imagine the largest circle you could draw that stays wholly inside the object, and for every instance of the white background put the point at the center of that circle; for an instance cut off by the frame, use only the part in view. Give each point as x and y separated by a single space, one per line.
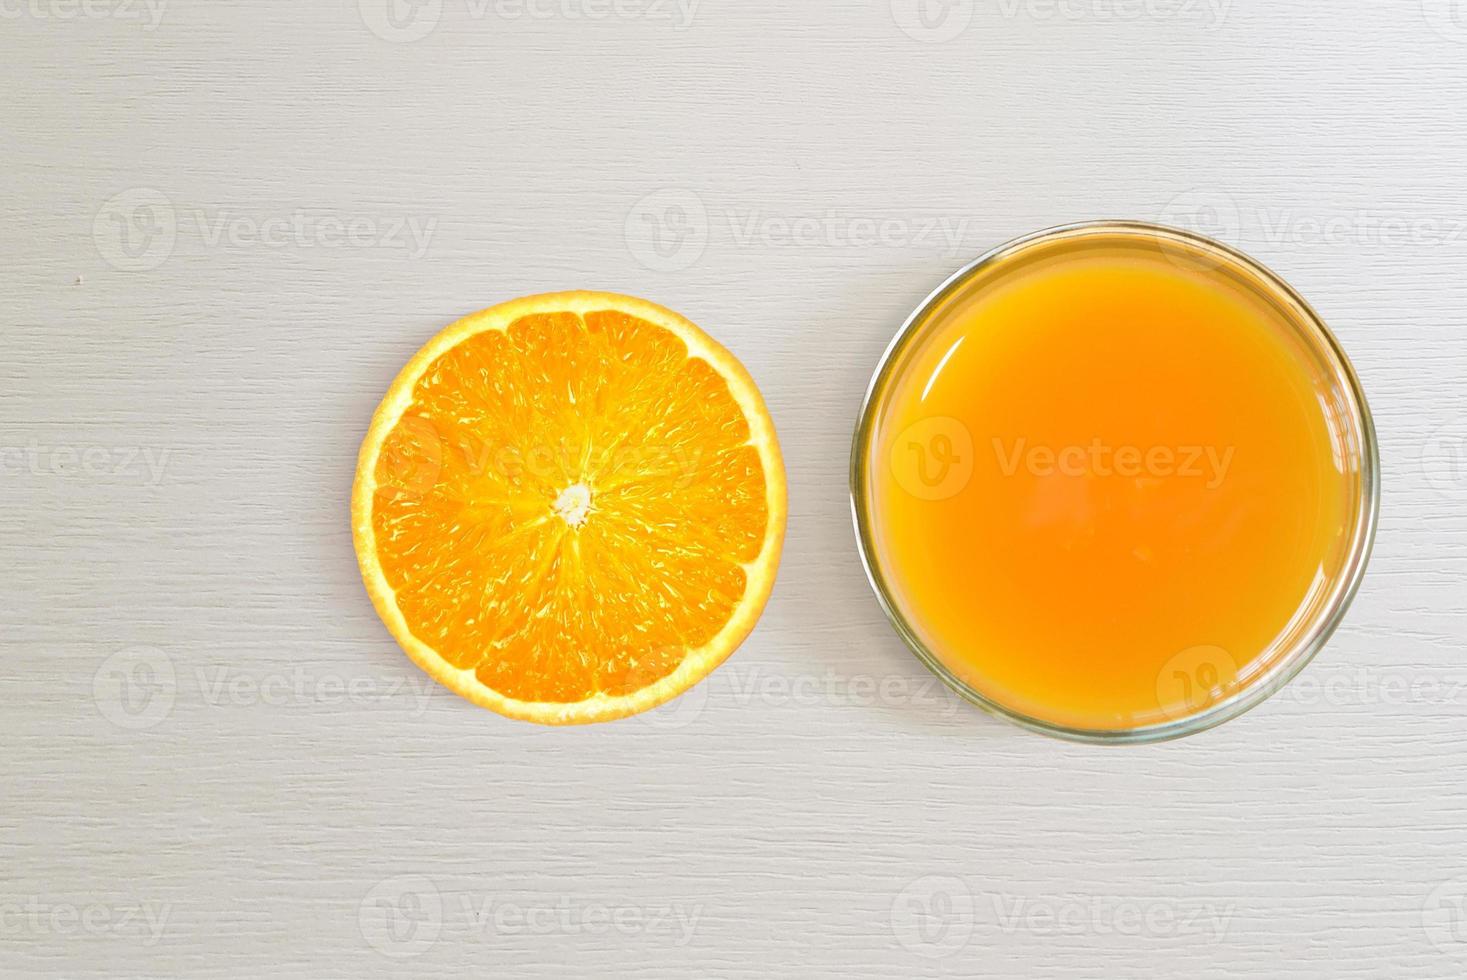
217 763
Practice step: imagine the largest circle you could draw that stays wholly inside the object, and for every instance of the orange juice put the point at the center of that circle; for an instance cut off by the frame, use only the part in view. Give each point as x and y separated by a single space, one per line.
1110 479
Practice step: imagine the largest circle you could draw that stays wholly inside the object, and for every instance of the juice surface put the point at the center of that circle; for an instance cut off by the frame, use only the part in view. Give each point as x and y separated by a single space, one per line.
1104 483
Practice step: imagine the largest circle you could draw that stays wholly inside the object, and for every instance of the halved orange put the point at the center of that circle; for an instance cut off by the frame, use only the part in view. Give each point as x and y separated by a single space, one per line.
569 508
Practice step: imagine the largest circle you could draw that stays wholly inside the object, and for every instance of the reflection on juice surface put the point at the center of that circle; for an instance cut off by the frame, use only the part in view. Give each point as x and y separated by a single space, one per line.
1107 482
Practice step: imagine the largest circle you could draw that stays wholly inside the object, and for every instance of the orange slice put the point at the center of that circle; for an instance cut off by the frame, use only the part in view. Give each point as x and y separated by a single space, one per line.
569 508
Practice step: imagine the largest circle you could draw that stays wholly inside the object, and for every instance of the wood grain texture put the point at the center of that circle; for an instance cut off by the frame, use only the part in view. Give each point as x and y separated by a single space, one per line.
781 820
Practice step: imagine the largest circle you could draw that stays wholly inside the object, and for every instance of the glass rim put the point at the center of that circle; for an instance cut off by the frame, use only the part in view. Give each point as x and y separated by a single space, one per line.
1293 658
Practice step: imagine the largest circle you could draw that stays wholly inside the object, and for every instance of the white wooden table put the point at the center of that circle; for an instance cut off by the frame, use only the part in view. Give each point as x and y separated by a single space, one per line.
224 225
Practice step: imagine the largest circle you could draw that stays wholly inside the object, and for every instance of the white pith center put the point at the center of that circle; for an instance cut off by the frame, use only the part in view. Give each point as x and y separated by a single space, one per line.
574 504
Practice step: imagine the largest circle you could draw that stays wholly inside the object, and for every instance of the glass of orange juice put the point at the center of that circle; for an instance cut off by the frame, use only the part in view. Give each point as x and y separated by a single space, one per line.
1115 482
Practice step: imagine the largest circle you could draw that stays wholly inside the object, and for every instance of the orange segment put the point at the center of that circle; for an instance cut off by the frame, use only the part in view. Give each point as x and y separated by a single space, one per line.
570 507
